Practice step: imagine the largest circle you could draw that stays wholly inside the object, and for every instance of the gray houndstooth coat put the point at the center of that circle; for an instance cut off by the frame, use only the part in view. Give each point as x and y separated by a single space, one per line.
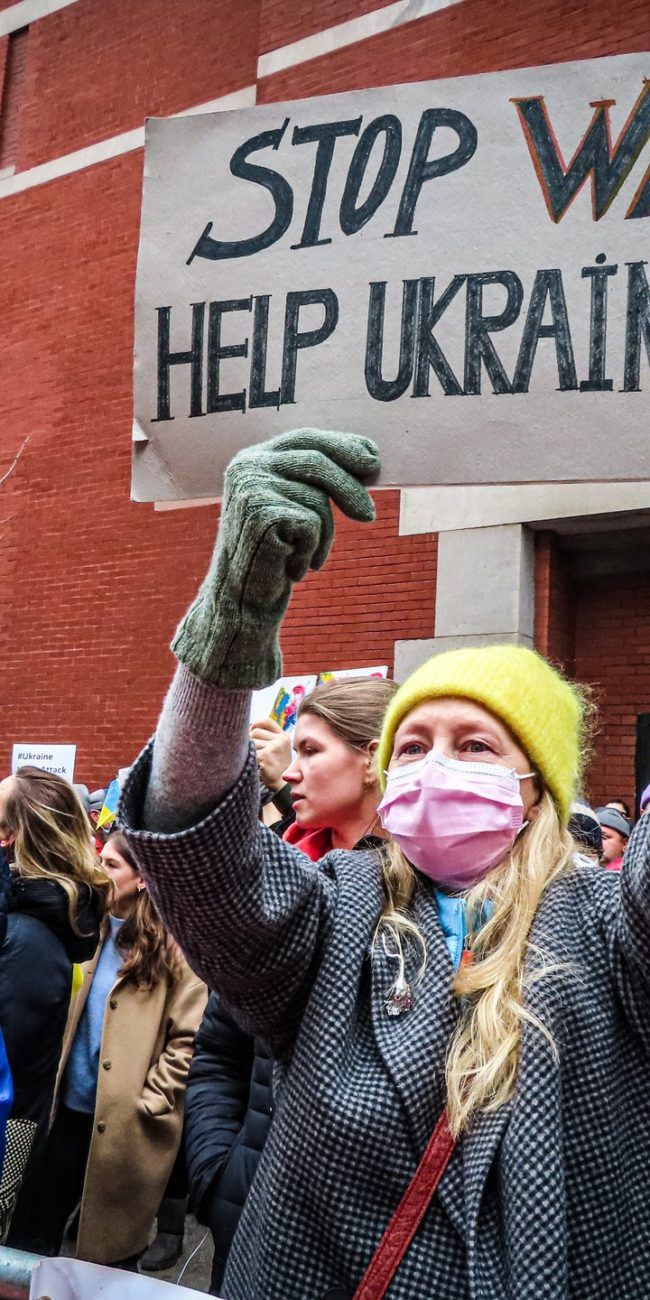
548 1198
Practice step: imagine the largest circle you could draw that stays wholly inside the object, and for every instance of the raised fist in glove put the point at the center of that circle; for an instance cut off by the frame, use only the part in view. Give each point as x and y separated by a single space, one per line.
276 524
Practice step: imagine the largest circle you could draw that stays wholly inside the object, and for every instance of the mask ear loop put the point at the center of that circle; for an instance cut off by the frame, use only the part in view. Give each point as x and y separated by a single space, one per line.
534 775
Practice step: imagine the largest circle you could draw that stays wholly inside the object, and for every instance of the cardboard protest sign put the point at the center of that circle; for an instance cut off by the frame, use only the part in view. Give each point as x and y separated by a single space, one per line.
59 759
455 268
73 1279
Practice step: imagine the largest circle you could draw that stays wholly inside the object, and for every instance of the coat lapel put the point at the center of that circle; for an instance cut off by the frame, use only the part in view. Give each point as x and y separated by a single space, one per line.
480 1147
414 1044
554 921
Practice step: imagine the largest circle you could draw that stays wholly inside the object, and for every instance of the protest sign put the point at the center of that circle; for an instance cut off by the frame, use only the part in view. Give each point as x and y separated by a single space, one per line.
51 758
282 700
73 1279
455 268
342 674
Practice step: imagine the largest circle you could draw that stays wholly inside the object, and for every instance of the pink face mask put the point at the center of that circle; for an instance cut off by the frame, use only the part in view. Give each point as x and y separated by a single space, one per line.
453 819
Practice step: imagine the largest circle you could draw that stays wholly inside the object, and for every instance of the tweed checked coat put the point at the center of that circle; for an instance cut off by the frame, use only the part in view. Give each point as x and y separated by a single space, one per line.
546 1199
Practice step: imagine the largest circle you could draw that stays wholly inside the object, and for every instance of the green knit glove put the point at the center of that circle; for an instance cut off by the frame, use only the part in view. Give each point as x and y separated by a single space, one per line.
276 524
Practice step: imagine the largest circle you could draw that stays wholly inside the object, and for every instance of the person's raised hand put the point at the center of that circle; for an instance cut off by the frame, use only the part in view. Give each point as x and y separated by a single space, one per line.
273 749
276 524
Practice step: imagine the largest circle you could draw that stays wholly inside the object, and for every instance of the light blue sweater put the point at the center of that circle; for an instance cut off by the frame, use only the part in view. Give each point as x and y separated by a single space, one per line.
452 914
80 1079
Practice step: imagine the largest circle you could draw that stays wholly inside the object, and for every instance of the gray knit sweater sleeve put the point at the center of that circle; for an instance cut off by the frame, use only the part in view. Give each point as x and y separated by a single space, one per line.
199 752
251 913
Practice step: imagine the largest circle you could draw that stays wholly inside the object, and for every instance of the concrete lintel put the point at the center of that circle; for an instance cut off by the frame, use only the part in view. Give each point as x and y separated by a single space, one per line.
441 509
410 654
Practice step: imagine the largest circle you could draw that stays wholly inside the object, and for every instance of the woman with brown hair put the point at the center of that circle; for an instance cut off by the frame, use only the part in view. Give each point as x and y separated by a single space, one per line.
121 1088
54 903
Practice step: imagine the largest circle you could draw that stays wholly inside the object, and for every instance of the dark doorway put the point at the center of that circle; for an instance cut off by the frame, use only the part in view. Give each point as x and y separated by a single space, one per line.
641 758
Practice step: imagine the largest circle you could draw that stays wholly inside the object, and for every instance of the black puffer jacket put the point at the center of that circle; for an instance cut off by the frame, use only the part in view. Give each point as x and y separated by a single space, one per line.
36 960
228 1111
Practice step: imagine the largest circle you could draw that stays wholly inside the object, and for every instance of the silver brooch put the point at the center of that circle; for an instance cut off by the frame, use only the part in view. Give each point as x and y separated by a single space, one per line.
399 997
398 1000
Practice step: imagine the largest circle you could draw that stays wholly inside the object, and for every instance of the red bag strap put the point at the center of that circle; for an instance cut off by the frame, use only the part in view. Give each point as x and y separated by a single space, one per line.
409 1214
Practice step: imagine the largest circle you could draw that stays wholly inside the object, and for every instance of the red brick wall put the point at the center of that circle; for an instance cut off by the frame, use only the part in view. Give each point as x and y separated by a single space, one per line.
4 50
597 629
92 585
285 21
470 37
612 620
376 588
13 74
554 606
97 69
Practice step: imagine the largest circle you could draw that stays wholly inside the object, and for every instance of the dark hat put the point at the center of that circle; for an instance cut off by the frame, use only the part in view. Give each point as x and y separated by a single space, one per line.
585 827
614 821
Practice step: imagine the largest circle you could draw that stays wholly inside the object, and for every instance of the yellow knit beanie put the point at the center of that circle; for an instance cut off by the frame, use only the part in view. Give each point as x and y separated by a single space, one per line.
542 710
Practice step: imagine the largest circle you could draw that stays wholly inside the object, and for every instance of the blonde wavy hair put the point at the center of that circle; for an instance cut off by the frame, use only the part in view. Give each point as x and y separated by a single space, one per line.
52 837
483 1056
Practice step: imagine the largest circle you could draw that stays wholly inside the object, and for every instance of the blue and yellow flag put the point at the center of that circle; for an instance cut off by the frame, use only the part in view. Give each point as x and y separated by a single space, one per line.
109 806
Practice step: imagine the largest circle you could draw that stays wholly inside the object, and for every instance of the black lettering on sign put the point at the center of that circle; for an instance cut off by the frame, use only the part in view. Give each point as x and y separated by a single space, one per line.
548 286
351 216
607 166
217 352
326 134
278 187
599 275
295 339
192 358
637 326
478 345
423 169
430 355
386 390
258 396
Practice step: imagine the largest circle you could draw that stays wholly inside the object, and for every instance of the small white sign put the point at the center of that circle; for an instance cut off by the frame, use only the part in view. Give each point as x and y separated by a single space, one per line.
73 1279
51 758
342 674
282 700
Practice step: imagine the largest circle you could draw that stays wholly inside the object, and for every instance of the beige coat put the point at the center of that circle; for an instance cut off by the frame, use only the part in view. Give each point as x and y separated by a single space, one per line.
146 1049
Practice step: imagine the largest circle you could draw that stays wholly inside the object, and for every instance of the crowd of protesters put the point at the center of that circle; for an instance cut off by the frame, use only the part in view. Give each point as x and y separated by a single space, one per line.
393 950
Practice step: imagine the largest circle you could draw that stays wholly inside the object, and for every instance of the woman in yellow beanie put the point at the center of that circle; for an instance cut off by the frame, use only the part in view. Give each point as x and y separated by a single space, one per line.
462 1020
479 756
